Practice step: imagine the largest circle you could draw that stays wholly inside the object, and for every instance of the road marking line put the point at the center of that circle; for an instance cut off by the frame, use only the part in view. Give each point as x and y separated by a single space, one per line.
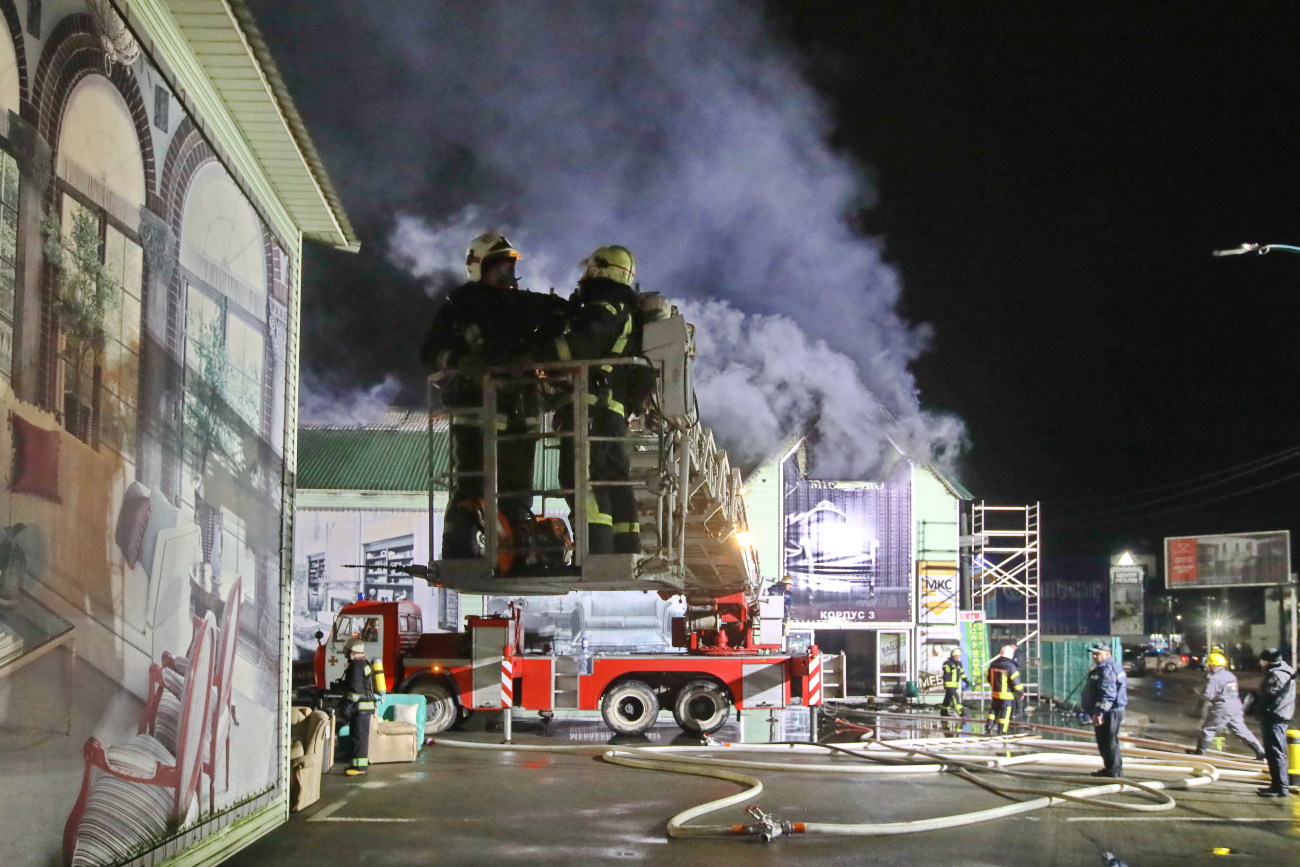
325 812
1166 819
354 819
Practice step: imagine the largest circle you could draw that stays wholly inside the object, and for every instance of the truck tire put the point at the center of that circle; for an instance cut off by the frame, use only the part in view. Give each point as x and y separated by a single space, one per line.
440 711
702 707
629 708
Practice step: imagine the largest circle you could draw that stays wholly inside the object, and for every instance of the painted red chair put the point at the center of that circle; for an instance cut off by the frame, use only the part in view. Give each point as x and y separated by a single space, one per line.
222 713
136 793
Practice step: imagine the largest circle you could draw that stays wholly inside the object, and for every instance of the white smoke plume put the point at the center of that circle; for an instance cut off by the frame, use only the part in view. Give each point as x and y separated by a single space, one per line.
680 128
322 405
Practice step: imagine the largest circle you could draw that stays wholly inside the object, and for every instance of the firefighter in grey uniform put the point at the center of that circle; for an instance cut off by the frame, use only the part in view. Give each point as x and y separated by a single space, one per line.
954 678
1223 708
1105 696
1274 704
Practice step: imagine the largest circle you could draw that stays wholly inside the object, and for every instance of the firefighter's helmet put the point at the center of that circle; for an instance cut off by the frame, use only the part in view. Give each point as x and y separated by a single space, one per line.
612 262
354 645
1217 659
956 653
483 249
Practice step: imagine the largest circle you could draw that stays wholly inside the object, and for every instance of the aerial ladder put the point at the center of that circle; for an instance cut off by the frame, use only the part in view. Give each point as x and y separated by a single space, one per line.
694 542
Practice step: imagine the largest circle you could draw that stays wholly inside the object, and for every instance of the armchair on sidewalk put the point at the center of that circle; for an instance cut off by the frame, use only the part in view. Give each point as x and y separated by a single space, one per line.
398 733
307 734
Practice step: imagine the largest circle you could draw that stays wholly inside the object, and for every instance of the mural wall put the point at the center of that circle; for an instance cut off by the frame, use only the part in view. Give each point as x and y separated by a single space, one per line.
143 345
342 556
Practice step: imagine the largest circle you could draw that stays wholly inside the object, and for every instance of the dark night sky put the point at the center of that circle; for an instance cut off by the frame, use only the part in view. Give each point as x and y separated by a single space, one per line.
1051 183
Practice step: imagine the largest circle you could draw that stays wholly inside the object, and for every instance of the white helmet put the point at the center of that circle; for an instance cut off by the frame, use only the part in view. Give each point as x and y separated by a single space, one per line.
612 262
354 645
489 245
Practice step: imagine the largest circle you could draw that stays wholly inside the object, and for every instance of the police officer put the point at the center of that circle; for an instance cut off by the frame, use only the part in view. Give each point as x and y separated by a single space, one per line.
601 325
485 322
1005 688
361 684
1105 696
1223 708
954 679
1274 704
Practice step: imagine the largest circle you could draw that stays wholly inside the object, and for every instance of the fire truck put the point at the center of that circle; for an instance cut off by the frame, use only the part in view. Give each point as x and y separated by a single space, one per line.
696 544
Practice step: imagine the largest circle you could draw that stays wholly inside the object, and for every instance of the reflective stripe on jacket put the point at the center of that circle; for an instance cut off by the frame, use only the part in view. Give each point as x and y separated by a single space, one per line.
1004 678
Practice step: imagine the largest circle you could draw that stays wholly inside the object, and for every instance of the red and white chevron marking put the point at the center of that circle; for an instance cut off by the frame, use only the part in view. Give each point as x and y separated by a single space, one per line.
507 682
814 680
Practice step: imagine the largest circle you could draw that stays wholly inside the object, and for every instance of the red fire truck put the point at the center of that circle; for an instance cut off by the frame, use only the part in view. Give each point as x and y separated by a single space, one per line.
695 543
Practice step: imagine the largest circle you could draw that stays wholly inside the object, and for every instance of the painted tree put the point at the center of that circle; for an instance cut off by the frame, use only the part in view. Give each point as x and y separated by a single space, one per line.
84 297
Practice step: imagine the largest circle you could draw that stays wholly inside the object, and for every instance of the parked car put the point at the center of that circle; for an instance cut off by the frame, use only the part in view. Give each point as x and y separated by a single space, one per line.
1166 661
1134 659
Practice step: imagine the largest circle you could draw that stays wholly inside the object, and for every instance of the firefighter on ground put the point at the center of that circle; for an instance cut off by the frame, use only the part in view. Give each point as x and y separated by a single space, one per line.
1005 688
602 324
1105 696
487 321
362 684
1274 704
954 680
1223 708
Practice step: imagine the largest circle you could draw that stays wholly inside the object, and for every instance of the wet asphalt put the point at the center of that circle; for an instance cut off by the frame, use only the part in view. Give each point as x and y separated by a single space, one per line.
456 805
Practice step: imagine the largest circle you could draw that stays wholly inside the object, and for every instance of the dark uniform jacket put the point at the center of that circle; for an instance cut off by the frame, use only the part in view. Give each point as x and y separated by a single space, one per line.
953 673
1276 695
602 324
1106 688
493 326
1004 678
358 683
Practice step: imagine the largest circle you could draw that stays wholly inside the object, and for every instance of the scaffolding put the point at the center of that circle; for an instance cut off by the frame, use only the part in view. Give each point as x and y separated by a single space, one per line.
1005 554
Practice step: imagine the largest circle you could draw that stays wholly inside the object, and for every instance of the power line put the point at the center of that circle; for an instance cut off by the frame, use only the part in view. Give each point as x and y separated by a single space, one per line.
1092 519
1267 460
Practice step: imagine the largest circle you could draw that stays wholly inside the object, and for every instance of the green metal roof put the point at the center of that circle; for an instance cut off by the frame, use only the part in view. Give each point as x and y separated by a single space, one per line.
366 459
390 453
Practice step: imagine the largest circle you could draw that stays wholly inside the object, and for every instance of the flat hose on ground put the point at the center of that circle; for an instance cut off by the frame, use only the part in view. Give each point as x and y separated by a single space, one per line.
670 759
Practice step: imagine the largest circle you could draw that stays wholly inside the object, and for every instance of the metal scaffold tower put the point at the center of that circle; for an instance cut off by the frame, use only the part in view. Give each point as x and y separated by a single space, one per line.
1005 557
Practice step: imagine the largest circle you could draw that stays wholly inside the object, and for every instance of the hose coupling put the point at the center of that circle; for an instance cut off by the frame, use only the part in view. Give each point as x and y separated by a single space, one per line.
766 827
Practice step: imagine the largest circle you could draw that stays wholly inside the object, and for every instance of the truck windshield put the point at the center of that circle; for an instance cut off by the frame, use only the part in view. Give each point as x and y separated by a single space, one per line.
356 626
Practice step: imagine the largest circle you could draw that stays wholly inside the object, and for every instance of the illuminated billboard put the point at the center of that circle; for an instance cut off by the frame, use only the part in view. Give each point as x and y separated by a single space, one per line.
848 549
1228 560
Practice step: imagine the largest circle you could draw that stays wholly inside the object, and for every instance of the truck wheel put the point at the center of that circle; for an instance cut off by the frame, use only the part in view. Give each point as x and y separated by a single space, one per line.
629 708
702 706
440 710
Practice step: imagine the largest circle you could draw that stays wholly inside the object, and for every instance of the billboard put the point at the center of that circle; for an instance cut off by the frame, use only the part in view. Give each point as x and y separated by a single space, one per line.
1228 560
1126 600
847 548
937 581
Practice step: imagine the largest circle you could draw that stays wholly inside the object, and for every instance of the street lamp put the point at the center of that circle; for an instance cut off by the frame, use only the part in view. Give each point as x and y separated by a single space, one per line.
1261 249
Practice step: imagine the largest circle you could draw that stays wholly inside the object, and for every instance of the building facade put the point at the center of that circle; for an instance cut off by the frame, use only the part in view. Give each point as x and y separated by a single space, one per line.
155 189
875 565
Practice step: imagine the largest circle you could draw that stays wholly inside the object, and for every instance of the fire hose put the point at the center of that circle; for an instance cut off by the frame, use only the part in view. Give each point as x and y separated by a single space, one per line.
881 755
